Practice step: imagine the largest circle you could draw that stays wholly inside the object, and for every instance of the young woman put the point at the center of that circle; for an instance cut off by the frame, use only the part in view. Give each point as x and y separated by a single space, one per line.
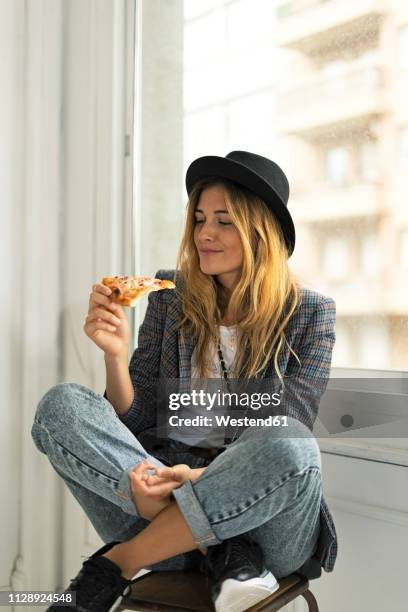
245 506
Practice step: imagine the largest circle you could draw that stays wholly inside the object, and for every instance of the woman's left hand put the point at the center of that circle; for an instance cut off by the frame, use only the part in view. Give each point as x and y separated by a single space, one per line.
157 486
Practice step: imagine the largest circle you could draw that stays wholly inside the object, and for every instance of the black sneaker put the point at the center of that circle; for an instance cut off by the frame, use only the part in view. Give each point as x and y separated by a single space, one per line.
237 574
99 586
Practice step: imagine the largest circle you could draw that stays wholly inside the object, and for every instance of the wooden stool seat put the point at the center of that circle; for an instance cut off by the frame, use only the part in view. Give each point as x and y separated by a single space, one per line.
187 591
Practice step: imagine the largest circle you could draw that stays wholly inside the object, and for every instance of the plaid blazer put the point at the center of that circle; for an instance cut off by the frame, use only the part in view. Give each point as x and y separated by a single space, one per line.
161 354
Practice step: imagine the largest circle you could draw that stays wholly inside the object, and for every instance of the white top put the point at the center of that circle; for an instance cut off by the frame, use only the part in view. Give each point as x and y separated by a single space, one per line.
208 435
228 341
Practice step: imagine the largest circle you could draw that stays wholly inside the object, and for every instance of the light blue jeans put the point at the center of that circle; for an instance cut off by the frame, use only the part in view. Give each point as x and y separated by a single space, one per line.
266 484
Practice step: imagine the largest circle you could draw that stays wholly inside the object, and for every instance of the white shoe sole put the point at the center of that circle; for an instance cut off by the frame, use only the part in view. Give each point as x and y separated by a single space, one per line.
119 600
116 604
237 596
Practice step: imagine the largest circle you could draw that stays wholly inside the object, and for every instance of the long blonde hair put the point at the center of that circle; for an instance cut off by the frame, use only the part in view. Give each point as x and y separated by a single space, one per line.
265 297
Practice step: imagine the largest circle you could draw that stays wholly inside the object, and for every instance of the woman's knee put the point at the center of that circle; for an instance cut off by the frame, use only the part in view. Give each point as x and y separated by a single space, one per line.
300 453
61 401
55 406
293 445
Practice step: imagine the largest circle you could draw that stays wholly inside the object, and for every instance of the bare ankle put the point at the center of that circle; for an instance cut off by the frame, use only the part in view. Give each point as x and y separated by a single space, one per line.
148 508
116 556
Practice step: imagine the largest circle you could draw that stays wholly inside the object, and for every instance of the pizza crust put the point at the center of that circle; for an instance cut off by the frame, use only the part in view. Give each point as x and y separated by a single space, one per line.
126 290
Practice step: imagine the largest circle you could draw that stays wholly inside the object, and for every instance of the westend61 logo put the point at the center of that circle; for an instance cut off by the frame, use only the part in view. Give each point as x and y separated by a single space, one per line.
208 401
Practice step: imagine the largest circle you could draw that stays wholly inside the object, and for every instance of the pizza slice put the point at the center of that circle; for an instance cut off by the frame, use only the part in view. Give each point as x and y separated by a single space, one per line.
126 290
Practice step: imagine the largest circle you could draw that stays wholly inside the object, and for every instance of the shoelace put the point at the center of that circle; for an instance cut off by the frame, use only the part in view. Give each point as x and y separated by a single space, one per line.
239 552
234 548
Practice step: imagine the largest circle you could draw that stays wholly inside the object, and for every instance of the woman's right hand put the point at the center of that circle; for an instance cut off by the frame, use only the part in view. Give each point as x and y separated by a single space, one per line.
106 323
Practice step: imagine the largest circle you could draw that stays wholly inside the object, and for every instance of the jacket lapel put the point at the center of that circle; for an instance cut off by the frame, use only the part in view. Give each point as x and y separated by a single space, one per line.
183 349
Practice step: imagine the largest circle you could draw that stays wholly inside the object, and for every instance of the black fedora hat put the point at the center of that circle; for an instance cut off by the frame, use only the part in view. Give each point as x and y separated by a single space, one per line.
259 174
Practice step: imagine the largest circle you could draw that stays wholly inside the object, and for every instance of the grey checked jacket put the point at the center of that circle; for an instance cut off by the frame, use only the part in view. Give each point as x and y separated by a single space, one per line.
161 354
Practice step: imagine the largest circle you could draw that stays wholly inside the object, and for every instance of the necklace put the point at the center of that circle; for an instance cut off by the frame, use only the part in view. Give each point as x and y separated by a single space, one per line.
223 367
227 440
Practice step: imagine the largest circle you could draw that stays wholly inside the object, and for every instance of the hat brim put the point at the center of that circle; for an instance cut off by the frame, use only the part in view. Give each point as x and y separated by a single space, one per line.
212 165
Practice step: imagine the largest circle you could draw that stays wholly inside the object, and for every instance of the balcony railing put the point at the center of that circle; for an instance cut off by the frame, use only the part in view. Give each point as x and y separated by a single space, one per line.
327 204
358 296
331 99
313 25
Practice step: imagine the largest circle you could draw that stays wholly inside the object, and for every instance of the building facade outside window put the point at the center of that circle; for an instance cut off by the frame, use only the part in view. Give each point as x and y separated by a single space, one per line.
403 147
337 166
324 101
403 48
404 249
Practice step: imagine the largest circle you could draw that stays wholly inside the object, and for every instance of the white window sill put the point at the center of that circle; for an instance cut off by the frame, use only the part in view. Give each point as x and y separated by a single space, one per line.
379 412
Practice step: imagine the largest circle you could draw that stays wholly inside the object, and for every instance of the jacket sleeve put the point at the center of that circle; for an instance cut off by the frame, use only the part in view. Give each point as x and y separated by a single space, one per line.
310 379
306 382
144 366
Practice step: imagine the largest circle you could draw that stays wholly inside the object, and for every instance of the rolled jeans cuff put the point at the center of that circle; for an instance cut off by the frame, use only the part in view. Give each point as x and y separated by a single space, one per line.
195 516
123 492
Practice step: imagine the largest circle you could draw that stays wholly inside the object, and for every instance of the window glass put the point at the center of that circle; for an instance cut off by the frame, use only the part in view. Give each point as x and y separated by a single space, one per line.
337 161
198 8
335 258
368 170
403 147
281 80
370 256
342 347
404 249
372 345
403 47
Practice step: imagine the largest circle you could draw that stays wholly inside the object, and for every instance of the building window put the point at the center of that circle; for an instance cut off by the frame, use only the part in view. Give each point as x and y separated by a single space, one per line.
335 259
337 163
404 249
341 352
403 48
370 256
403 147
369 162
373 345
